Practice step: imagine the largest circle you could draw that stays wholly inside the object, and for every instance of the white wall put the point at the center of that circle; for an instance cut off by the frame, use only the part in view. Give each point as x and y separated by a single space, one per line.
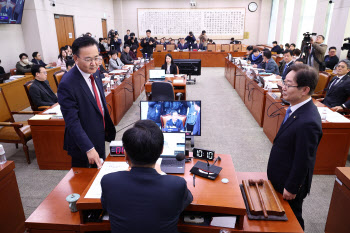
256 23
38 31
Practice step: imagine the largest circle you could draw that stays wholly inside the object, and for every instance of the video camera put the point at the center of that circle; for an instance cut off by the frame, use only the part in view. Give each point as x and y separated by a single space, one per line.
346 46
307 37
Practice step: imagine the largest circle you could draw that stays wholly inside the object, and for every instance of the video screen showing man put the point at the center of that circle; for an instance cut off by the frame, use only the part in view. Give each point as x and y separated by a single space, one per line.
6 11
174 124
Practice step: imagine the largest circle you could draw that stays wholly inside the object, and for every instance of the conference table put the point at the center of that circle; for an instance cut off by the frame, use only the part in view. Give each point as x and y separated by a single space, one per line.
178 83
334 146
209 196
208 59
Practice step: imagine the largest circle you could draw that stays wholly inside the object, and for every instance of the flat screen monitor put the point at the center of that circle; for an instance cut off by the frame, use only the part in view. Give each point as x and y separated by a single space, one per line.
174 116
156 74
189 66
11 11
174 143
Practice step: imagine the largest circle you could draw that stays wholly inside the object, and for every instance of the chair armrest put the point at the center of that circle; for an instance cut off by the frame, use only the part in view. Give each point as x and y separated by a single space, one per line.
317 96
43 107
26 112
11 124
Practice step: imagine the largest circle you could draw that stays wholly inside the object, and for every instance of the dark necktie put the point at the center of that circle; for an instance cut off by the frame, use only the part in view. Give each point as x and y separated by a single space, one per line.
289 110
335 80
99 104
285 67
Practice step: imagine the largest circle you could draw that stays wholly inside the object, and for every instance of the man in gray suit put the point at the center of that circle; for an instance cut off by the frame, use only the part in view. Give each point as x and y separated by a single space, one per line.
318 50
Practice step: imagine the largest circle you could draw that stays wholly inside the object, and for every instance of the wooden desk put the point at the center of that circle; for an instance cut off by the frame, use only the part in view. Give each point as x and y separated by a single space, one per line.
338 215
335 143
240 82
209 59
149 66
178 88
138 81
11 213
54 216
123 98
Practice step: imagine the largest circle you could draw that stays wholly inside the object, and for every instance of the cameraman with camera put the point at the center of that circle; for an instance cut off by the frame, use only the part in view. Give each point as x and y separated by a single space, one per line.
148 44
317 51
203 40
132 41
190 39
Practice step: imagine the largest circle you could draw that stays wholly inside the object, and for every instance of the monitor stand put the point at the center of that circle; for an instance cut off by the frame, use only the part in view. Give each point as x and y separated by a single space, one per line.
190 81
192 140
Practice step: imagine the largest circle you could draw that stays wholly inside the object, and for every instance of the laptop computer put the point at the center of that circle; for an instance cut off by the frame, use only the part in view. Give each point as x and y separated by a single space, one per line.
156 75
174 143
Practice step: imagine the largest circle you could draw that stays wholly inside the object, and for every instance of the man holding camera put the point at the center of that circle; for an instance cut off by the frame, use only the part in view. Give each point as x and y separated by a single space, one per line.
148 44
203 39
190 39
317 52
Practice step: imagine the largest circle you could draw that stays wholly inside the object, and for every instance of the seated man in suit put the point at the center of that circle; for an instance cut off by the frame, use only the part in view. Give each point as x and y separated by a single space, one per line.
37 60
174 124
40 91
197 45
338 90
142 200
125 57
276 48
331 59
293 154
115 63
24 65
6 12
182 45
270 64
287 62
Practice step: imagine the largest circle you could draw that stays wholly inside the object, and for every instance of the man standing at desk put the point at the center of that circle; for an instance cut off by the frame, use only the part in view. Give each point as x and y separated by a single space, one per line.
293 154
84 109
142 200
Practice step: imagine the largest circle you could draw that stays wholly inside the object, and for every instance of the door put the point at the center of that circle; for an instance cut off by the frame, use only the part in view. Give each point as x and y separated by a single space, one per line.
104 28
64 30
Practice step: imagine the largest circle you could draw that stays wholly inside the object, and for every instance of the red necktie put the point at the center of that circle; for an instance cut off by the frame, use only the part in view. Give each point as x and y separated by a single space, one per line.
96 97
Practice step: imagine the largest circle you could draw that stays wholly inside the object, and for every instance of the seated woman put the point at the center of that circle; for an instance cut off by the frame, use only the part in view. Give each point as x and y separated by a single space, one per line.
115 63
169 65
255 57
62 59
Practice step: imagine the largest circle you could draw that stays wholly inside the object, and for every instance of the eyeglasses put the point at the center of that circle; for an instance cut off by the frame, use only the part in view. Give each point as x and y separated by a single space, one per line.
89 59
287 85
341 66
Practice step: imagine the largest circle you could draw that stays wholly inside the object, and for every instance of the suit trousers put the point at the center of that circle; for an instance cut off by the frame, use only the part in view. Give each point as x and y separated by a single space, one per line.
297 204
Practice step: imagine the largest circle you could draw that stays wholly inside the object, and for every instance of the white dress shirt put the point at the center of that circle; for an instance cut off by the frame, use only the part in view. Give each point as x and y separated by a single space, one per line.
295 107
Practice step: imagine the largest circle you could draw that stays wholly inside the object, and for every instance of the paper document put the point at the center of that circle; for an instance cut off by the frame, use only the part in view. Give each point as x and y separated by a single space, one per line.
41 117
224 221
54 111
118 71
177 81
107 167
169 75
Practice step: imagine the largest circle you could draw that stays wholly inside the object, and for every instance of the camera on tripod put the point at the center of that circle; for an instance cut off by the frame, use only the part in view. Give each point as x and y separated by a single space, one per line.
307 37
346 46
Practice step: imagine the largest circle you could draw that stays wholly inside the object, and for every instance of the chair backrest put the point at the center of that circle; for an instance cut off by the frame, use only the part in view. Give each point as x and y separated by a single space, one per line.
170 47
211 47
218 47
13 71
162 91
5 112
323 80
27 86
57 76
164 119
159 48
225 48
237 48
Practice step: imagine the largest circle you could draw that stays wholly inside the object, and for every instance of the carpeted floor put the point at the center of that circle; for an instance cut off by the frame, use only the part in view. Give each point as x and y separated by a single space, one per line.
227 128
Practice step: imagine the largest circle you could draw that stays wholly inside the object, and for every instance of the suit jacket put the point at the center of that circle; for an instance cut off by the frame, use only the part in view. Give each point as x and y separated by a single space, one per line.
7 11
197 125
115 64
178 124
182 47
148 48
126 58
276 49
338 94
173 68
84 123
190 40
102 70
283 71
21 70
331 61
293 154
42 96
271 67
144 201
36 62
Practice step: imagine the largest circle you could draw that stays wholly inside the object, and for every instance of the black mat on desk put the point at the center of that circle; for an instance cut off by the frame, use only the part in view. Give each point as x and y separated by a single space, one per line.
261 217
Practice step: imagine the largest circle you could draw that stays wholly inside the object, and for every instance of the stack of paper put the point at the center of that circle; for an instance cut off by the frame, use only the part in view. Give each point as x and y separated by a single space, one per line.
41 117
54 111
224 221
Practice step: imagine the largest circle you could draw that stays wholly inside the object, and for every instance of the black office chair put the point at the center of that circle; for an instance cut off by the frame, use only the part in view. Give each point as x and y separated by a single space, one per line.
164 91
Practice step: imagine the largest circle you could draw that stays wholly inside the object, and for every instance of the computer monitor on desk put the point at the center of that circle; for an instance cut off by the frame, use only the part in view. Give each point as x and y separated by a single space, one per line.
174 116
189 67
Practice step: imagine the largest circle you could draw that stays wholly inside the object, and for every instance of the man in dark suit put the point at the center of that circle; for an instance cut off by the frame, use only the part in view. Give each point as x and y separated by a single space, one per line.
338 90
127 36
276 48
40 91
142 200
84 108
287 62
174 124
148 44
293 154
331 59
182 45
125 57
38 61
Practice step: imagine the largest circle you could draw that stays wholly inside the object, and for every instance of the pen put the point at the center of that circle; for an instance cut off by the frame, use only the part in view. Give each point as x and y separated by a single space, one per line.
194 179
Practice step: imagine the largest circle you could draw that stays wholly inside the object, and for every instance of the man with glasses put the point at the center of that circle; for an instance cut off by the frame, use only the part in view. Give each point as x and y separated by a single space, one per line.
84 108
293 154
338 90
40 91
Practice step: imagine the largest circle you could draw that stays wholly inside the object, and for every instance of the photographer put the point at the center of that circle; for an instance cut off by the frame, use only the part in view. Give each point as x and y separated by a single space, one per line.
132 42
116 43
190 39
148 44
203 39
318 50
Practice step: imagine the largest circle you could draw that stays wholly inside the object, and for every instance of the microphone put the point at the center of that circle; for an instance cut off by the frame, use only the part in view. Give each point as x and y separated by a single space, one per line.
180 156
218 158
